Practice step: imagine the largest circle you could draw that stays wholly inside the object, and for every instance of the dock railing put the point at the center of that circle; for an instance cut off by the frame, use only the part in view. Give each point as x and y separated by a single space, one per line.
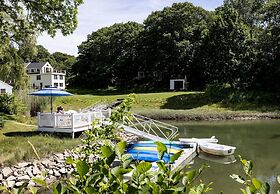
151 127
70 121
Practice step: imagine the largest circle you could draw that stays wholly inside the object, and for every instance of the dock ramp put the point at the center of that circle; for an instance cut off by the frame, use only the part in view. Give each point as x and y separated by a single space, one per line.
149 128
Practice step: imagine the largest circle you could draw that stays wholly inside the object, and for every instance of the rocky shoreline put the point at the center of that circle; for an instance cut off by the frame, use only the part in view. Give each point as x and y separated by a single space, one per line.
54 167
186 115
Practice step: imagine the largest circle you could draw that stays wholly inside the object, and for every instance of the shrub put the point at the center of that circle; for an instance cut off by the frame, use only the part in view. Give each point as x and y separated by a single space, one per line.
8 104
31 105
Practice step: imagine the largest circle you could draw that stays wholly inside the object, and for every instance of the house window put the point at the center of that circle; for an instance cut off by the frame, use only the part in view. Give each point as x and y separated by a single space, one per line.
60 84
32 70
55 76
33 85
55 84
3 91
61 77
38 77
38 70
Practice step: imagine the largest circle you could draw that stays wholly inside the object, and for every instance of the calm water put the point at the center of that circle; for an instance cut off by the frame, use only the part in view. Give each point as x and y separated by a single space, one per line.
258 141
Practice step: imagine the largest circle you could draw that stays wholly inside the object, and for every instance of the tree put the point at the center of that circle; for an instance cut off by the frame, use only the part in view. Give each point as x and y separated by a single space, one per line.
20 21
248 10
228 50
108 56
268 67
64 61
171 41
22 17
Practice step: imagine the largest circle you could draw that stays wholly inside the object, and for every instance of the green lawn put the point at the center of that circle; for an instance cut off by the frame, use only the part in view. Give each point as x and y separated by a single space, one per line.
174 105
143 100
14 145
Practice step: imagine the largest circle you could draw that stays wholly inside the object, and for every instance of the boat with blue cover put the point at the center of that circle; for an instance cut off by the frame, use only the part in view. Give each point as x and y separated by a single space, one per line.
147 150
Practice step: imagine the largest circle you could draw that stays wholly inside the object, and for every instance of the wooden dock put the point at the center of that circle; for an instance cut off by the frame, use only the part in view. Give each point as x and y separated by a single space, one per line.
186 157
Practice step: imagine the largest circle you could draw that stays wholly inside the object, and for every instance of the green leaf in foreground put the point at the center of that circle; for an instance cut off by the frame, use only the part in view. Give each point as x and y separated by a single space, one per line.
161 148
143 167
257 183
265 188
82 168
106 151
40 181
176 156
120 148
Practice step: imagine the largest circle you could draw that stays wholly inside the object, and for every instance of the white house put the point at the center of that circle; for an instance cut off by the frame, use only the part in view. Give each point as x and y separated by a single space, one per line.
44 75
5 88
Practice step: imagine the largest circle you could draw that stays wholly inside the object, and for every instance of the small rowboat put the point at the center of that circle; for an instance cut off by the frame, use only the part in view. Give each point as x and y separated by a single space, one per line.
216 149
197 140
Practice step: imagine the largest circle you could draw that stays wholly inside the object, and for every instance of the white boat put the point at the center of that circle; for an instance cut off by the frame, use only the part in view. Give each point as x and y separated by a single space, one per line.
197 140
216 149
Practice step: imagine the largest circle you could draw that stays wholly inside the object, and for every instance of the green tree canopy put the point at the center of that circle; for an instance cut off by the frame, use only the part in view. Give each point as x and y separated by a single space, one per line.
227 49
268 61
171 40
108 56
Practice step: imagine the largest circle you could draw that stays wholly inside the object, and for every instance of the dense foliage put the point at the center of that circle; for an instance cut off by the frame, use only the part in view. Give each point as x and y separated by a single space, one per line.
237 44
108 56
8 104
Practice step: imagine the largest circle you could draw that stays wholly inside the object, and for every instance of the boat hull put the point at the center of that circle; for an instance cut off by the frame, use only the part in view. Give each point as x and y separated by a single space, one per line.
217 149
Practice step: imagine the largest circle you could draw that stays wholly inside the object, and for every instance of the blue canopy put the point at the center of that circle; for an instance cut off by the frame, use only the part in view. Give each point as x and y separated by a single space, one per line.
51 92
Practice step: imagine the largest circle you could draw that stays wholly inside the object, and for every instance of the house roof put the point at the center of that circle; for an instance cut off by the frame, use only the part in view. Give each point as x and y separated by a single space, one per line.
36 65
1 82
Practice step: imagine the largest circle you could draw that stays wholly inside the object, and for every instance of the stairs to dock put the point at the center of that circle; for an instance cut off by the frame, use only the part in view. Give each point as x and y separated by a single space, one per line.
149 128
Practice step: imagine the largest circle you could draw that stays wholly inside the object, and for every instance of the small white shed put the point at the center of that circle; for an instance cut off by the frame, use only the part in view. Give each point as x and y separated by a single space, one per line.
5 88
178 84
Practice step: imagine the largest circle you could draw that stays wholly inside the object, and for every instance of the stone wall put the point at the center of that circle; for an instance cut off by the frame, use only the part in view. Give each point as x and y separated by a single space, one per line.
54 167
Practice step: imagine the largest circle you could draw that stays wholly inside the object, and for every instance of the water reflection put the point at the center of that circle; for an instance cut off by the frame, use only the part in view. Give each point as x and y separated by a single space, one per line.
258 141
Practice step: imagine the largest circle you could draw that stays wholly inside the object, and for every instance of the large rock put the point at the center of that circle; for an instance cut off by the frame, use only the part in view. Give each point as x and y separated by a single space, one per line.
46 163
24 178
18 184
23 164
7 171
36 170
62 170
11 178
11 184
56 173
29 171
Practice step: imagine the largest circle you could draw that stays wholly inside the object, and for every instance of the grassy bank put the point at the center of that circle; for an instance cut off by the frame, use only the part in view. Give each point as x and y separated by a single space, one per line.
181 105
14 137
14 146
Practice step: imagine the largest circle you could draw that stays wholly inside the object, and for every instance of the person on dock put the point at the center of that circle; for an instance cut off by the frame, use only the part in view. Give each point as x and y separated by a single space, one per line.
60 110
